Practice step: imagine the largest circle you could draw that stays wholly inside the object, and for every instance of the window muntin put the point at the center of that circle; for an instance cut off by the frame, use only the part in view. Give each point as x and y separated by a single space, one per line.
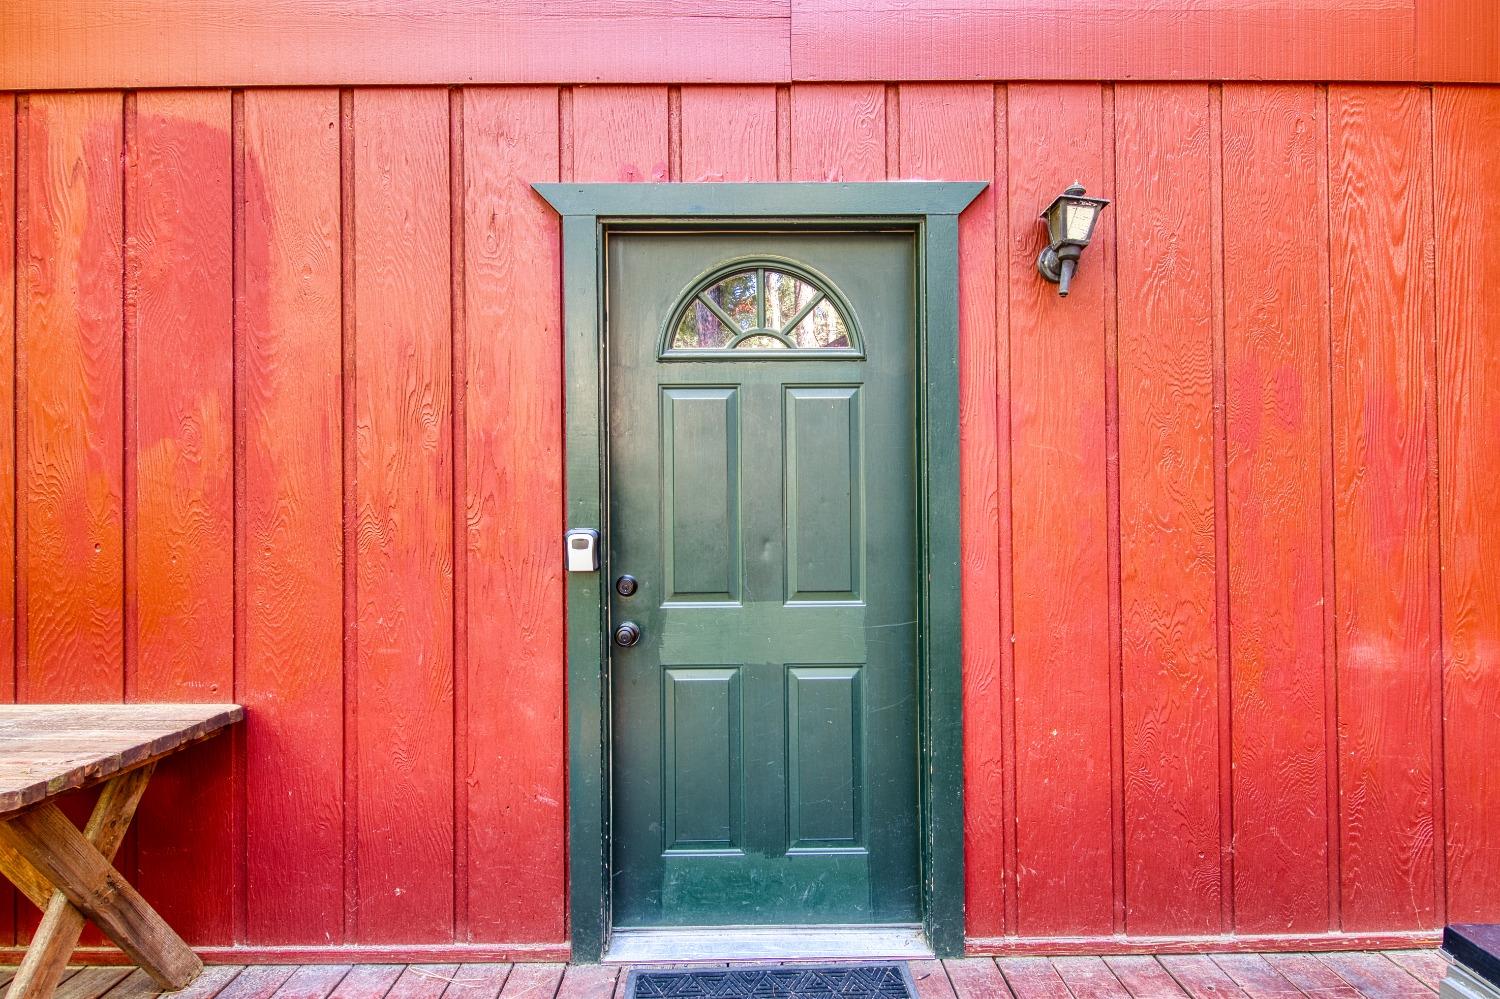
767 306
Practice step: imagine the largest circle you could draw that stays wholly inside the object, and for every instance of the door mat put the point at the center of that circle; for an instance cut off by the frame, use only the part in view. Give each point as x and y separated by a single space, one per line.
823 981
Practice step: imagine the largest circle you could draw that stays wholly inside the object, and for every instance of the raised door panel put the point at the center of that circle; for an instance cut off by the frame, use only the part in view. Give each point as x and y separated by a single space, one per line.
700 493
824 493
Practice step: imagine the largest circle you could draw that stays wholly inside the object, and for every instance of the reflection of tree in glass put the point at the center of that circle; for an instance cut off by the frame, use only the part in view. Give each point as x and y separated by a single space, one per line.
736 295
755 300
823 327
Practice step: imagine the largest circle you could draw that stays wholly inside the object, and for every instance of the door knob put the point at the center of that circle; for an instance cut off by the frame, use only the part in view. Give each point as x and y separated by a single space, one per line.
627 634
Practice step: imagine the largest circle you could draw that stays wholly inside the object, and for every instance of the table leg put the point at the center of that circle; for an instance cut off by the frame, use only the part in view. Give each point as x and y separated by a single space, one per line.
47 958
86 886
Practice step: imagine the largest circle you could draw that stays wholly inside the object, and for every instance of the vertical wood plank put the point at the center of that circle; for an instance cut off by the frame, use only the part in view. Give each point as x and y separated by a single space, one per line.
1275 333
948 133
1167 576
404 508
179 290
728 133
620 133
838 132
1057 427
1467 200
73 336
1382 329
290 390
517 750
8 281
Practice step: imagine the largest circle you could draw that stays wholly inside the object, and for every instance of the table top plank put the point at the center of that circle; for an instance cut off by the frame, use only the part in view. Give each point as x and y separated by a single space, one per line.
46 749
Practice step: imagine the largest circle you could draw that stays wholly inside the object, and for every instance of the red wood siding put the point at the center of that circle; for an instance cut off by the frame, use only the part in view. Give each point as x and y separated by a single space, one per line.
285 387
56 44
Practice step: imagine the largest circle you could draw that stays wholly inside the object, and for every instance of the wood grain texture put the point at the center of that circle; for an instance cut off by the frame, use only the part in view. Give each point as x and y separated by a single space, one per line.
515 769
72 340
1133 40
314 981
728 133
1169 645
1058 515
583 981
1032 978
533 981
948 132
48 749
58 933
1254 976
1468 331
1144 977
1426 966
8 283
257 982
367 980
159 43
179 296
1089 978
976 978
290 389
1382 324
404 509
1294 452
8 453
479 981
931 980
1201 978
838 132
50 842
1375 976
91 43
1456 41
620 134
1275 329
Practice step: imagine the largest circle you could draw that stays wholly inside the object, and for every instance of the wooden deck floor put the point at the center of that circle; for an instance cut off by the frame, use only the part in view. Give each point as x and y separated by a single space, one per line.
1386 975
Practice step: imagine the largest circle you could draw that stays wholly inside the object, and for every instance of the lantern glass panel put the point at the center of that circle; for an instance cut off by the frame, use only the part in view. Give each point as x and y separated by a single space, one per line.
1079 220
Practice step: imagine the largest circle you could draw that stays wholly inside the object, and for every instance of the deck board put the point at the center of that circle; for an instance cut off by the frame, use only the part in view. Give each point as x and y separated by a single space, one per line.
1089 978
1144 977
1200 977
977 978
478 981
1257 978
312 981
1412 974
1374 975
1426 966
931 980
368 981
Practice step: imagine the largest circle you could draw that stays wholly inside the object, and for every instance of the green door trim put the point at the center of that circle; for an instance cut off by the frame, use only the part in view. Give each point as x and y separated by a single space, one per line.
931 211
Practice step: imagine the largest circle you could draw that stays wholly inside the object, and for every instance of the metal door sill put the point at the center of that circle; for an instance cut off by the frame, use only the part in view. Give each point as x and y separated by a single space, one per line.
708 944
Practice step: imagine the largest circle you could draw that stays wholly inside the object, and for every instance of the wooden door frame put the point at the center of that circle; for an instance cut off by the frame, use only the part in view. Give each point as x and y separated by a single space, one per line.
930 211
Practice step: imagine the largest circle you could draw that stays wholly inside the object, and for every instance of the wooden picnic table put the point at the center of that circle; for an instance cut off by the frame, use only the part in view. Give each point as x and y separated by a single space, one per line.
48 749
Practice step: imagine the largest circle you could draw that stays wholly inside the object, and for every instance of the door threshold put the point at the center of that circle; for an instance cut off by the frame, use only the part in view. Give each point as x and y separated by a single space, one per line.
695 944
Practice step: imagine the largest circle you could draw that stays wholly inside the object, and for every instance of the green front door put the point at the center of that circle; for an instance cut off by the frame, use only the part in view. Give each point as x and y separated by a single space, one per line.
762 484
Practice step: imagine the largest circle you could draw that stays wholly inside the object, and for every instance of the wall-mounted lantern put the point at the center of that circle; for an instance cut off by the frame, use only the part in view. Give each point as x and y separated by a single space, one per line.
1070 225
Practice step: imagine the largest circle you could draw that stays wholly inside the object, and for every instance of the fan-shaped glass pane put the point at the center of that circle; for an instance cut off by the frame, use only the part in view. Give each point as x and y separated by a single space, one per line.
737 296
822 327
760 341
785 297
770 306
700 329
